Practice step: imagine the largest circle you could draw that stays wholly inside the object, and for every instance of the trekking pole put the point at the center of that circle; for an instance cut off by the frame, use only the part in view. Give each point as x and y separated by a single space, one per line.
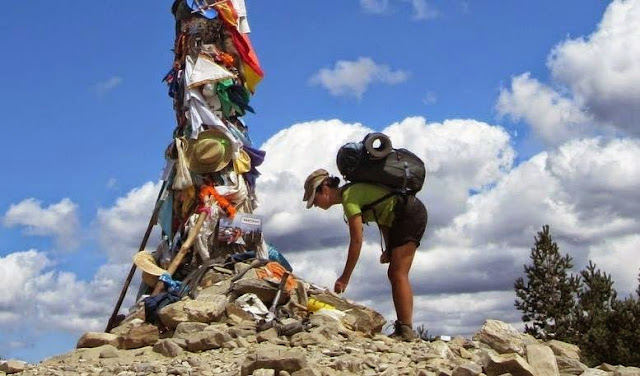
271 315
152 222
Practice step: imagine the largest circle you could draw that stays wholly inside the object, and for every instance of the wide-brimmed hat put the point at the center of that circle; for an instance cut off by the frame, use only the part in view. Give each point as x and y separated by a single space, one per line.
150 270
312 183
210 152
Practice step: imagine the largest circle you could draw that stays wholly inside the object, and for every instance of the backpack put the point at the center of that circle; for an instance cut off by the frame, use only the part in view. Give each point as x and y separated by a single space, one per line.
398 169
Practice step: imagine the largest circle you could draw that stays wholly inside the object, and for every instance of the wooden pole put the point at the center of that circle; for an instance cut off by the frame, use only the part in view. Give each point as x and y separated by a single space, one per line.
145 238
184 249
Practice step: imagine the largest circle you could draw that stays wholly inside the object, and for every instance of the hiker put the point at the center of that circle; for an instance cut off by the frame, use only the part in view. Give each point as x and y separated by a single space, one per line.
401 220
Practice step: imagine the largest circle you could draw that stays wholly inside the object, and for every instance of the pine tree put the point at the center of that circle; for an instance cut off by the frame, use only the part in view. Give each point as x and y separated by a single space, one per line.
624 324
547 297
596 299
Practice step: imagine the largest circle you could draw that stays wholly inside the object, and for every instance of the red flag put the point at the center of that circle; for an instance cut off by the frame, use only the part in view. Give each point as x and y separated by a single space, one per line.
253 71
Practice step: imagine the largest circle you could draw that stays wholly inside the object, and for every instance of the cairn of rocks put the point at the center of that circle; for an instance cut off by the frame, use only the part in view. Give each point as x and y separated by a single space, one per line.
217 333
326 348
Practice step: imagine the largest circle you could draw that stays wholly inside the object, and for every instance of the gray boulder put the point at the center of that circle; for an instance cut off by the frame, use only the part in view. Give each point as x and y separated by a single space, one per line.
541 358
507 363
12 366
501 337
276 358
167 347
570 366
205 311
206 340
627 371
139 336
95 339
564 349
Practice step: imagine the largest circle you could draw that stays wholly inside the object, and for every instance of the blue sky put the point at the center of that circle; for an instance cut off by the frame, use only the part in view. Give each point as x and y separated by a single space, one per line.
515 87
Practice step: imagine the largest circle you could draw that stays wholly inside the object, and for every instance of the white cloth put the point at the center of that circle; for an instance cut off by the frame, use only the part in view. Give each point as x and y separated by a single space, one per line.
205 71
203 238
253 305
236 193
241 11
201 115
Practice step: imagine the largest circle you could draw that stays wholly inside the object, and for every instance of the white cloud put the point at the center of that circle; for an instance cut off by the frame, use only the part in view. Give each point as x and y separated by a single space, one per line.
112 183
463 314
121 227
553 117
430 98
103 87
58 220
596 85
584 190
603 69
16 269
611 253
353 78
602 176
375 6
422 10
461 156
38 298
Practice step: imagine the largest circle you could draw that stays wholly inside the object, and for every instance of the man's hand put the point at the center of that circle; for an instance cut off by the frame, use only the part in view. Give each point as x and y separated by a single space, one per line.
341 284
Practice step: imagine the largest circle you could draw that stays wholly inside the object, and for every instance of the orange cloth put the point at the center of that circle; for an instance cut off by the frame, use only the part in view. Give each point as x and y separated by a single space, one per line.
273 272
227 12
208 190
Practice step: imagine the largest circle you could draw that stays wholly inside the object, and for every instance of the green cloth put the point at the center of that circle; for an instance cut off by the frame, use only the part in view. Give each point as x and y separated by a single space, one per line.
355 196
230 99
225 101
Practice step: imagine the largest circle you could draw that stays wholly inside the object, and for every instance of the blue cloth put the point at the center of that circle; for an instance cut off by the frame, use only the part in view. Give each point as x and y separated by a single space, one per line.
165 214
153 304
201 7
170 284
257 157
275 255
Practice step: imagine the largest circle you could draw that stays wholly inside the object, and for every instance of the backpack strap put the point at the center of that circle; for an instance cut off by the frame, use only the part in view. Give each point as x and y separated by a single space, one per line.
371 205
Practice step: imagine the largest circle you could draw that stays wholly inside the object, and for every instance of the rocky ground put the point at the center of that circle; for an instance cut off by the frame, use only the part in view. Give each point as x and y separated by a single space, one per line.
223 332
325 349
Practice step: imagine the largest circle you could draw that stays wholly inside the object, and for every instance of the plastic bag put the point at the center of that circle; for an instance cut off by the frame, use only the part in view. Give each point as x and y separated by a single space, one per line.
182 178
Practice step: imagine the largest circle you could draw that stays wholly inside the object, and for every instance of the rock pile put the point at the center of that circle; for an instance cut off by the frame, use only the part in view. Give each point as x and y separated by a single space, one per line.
226 330
325 348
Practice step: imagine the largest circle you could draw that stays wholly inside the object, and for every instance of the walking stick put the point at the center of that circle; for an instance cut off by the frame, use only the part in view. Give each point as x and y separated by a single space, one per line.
152 222
182 252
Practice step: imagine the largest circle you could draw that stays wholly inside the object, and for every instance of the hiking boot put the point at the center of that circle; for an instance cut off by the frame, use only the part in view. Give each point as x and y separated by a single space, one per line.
403 332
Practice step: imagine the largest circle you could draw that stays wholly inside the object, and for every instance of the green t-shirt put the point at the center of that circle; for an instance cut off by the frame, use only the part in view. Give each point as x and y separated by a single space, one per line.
355 196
